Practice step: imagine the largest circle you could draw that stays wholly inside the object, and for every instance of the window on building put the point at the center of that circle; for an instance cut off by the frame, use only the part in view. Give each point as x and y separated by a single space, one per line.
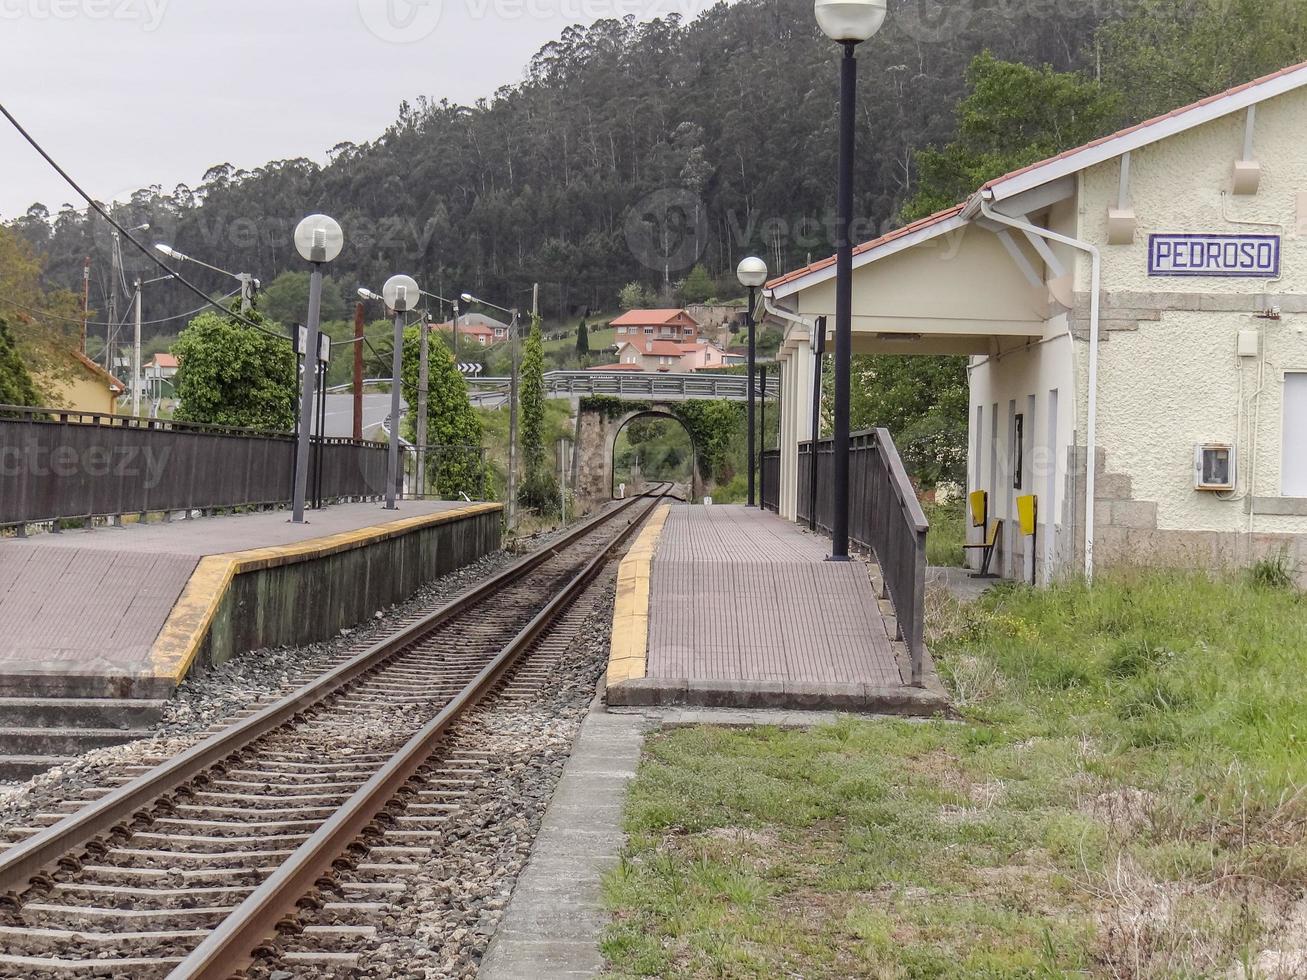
649 331
1293 436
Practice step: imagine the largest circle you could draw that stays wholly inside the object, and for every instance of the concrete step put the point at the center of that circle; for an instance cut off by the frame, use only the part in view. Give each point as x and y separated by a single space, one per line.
18 767
122 713
68 684
61 741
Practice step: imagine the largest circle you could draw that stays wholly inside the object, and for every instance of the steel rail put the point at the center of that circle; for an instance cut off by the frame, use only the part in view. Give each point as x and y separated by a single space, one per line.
115 811
232 945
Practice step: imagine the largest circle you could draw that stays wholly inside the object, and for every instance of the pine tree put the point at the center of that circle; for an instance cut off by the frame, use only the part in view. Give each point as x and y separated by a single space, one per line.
16 387
583 339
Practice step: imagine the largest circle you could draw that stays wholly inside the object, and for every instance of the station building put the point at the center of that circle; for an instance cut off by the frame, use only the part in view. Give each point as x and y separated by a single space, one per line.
1134 314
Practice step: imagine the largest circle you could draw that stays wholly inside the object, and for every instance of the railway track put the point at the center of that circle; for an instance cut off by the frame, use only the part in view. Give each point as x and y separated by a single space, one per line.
307 810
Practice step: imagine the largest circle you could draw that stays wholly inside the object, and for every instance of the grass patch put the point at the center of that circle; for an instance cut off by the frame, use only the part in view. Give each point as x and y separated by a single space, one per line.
947 534
1123 798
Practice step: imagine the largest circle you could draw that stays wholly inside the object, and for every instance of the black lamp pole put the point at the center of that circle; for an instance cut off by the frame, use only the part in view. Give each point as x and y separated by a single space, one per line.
762 435
752 359
843 307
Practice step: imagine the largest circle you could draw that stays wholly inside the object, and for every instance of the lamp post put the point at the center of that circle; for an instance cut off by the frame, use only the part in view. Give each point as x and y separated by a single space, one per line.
401 295
319 240
511 503
249 285
752 273
850 22
136 340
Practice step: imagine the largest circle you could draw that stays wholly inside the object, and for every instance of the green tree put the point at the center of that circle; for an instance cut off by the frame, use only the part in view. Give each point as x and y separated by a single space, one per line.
16 386
634 296
451 421
286 299
1168 53
583 339
923 401
1012 116
539 489
231 374
698 286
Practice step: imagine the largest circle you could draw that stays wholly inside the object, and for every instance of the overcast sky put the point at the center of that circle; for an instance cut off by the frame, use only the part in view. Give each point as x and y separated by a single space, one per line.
243 81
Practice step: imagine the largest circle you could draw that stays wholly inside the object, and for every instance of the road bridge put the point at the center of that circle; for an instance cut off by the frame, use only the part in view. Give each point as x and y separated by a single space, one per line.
631 385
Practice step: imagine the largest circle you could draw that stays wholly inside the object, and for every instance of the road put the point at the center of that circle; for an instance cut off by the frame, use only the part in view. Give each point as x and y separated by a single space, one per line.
340 415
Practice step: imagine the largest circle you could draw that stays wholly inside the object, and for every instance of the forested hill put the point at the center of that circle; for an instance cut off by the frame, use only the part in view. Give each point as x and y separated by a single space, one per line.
631 150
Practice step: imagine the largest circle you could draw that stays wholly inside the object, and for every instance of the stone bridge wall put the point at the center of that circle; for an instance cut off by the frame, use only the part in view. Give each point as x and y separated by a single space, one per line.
596 439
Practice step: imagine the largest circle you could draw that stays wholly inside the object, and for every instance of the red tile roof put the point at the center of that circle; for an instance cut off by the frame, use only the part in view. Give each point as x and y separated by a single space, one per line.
649 318
164 360
926 222
616 367
116 386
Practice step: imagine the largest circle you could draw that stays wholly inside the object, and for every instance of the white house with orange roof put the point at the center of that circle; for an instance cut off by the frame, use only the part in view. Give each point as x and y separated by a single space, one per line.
1141 302
674 325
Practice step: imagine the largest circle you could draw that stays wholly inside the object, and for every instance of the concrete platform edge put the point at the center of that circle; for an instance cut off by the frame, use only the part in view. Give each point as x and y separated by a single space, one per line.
628 653
642 692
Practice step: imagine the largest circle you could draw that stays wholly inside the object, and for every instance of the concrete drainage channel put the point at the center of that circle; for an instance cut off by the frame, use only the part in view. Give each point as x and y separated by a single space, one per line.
160 850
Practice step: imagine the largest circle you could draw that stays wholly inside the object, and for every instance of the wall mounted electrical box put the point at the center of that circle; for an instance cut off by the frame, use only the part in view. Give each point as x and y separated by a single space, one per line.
1213 466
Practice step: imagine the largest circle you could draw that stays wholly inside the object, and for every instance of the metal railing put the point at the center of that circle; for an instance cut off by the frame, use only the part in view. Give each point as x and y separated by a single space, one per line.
885 519
636 385
57 464
443 472
770 473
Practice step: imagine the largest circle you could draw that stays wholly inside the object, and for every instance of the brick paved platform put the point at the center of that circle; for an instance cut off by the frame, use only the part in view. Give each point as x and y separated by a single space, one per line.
94 602
724 606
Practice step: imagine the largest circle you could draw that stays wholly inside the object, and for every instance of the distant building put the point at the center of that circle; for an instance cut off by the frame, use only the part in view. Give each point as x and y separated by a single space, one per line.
83 386
477 328
674 325
160 367
647 353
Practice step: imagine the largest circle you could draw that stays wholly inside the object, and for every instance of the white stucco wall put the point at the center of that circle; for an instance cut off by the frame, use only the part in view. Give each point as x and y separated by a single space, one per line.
997 382
1177 380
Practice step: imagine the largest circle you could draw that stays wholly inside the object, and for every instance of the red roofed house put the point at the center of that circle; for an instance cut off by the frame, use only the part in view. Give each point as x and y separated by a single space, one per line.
674 325
1134 315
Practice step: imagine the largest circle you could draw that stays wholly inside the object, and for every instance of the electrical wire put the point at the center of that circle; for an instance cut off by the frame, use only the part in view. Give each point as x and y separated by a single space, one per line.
147 252
51 315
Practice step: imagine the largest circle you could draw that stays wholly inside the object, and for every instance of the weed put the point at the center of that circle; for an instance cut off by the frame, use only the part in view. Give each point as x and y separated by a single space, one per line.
1124 797
1274 571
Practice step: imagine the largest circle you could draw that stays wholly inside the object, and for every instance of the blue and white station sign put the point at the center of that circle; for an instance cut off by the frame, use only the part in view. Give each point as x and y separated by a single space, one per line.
1214 255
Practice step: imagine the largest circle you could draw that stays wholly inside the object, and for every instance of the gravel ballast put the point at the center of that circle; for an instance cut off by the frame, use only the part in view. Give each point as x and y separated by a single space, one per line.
211 698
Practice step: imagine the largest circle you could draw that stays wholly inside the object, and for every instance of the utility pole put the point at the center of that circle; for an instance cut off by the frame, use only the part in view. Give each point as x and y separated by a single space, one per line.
86 298
358 370
111 331
136 354
424 374
512 419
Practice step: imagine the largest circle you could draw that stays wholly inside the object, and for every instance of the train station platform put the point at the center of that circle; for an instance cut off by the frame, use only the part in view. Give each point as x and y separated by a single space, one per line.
727 606
125 611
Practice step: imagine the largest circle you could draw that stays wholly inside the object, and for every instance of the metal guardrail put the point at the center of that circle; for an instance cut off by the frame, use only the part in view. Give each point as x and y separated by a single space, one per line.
637 385
770 480
57 464
885 518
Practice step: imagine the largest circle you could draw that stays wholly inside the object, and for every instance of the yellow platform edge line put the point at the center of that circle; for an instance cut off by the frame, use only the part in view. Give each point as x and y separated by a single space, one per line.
179 641
629 648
